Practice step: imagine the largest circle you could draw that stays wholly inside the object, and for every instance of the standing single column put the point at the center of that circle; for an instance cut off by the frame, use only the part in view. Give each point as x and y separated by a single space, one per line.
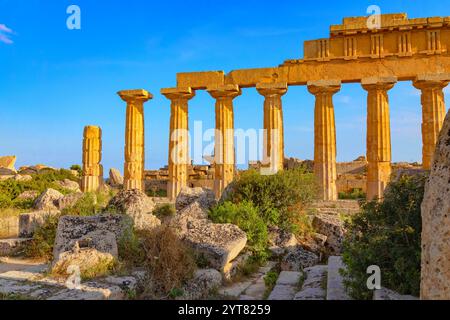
178 139
134 138
378 135
224 157
325 136
273 154
433 112
92 178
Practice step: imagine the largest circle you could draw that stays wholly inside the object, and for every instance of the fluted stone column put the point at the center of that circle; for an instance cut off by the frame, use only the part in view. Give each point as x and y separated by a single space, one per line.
378 135
92 178
325 136
178 139
134 138
273 154
433 112
224 154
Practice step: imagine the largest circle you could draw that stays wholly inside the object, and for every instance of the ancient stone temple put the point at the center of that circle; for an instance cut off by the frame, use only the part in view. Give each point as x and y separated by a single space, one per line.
92 177
377 57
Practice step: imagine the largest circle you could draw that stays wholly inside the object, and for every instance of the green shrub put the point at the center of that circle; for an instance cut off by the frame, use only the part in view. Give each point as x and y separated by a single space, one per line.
10 189
279 198
246 216
354 194
41 246
164 211
77 167
270 280
5 201
387 234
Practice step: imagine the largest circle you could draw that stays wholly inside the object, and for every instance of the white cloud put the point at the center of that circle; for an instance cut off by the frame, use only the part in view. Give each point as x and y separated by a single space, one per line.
447 90
5 33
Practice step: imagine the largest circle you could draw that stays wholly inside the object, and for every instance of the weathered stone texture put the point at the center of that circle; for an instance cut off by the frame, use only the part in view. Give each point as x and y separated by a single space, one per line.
134 138
436 223
92 177
137 205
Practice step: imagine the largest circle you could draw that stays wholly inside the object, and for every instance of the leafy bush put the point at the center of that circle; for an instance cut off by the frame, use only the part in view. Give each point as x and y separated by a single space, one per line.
41 246
354 194
246 216
89 204
164 211
10 189
387 234
279 198
77 167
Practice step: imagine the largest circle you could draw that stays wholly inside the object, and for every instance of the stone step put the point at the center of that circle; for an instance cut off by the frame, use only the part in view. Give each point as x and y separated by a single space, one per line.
286 286
313 285
10 247
338 204
252 288
386 294
335 285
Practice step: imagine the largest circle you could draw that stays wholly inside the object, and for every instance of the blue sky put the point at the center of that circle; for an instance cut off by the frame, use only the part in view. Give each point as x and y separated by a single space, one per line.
54 81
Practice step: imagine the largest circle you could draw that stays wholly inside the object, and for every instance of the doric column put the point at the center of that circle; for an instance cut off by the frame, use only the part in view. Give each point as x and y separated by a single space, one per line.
325 136
273 154
92 177
378 135
178 139
134 138
433 112
224 156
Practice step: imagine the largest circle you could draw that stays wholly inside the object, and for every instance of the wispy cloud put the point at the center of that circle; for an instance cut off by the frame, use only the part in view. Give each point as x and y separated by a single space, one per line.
447 90
5 33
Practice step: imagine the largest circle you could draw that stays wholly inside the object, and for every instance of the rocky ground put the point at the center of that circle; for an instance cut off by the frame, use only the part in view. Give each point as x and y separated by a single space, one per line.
300 269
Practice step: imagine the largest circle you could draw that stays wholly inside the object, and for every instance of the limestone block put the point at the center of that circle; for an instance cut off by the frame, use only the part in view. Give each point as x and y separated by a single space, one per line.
333 228
115 178
70 185
48 200
137 205
203 283
89 232
436 223
29 222
297 259
8 162
204 197
335 285
218 243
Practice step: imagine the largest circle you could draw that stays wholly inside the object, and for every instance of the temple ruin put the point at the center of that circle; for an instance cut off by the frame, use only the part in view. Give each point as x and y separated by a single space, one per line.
401 49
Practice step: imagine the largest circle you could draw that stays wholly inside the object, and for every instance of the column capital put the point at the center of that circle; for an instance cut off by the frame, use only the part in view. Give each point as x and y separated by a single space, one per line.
178 93
431 81
135 95
224 91
324 86
379 83
272 89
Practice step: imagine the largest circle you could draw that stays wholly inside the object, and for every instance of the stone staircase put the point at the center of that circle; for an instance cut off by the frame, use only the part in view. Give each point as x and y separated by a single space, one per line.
345 207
